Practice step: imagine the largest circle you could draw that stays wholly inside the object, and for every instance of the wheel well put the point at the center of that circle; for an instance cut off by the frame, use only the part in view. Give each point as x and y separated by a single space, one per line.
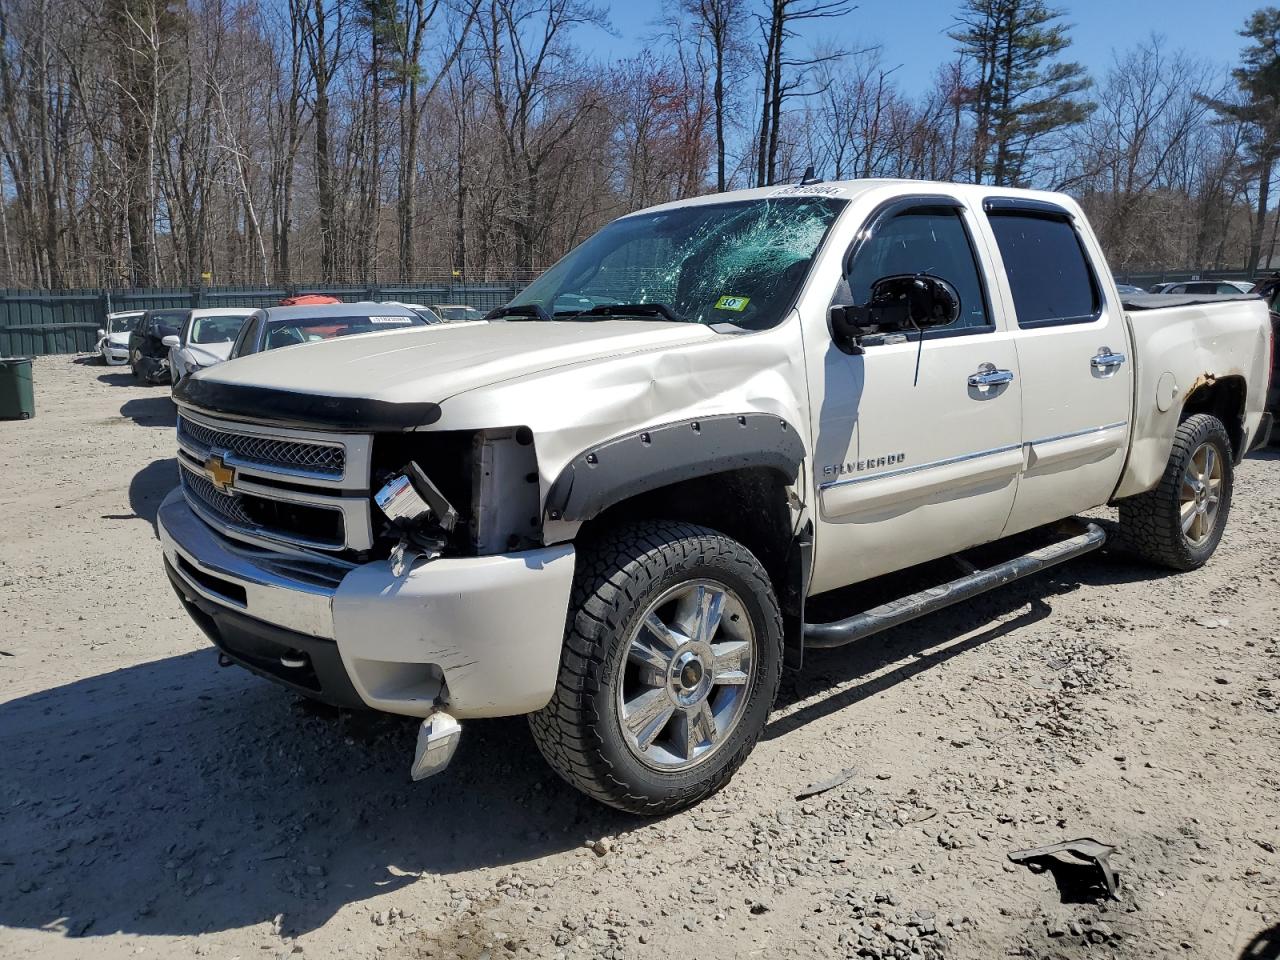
748 504
1223 398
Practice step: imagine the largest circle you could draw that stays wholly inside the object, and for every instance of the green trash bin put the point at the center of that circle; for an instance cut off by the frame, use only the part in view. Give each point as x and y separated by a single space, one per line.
17 392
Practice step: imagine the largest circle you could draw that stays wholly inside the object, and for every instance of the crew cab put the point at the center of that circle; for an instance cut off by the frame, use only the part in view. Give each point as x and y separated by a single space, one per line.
622 505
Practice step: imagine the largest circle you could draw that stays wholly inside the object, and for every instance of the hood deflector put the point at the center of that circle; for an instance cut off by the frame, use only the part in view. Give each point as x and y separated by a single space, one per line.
304 409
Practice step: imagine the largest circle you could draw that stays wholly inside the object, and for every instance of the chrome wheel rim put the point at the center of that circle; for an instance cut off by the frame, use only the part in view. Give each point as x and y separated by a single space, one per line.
1201 494
687 676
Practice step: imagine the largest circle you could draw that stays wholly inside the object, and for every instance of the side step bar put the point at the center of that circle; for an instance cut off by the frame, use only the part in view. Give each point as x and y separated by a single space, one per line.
895 612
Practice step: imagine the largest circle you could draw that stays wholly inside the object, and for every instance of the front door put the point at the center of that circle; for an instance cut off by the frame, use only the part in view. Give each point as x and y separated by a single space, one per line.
1073 354
918 443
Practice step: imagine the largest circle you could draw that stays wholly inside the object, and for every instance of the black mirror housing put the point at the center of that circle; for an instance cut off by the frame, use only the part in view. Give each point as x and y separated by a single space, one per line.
904 301
924 300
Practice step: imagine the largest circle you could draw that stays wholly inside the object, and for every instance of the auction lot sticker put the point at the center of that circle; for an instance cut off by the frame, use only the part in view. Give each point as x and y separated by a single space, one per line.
736 304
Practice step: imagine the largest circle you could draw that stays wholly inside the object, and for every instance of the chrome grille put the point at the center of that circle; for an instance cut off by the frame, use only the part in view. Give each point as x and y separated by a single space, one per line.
224 505
291 454
305 524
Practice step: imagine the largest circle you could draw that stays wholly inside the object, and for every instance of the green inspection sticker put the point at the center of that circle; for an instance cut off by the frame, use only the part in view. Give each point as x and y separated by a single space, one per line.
736 304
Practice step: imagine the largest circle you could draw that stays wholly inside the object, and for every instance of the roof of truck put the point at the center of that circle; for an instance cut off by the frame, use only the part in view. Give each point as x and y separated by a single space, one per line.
848 189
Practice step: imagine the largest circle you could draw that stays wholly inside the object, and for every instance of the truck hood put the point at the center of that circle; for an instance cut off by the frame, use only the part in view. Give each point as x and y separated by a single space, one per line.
431 364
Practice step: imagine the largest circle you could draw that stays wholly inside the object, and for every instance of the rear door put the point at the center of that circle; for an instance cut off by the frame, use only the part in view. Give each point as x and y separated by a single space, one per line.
1072 344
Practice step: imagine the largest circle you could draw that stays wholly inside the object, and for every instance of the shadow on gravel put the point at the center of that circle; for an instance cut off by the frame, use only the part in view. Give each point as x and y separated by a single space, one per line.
125 379
938 634
1265 946
149 486
151 412
177 798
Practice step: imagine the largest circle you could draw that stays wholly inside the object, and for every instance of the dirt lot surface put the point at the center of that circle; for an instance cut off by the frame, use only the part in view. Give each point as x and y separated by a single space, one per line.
152 804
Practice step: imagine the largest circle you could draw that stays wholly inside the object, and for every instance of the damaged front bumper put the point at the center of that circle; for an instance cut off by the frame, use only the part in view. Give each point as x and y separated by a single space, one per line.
474 636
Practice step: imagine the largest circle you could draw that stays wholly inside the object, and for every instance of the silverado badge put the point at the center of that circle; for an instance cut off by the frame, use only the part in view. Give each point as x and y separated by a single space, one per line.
219 474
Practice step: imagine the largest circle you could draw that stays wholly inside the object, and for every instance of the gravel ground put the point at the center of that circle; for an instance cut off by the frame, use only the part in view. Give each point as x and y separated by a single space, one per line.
153 804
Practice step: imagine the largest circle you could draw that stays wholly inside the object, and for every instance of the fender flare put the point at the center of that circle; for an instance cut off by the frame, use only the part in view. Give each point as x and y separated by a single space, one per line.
655 457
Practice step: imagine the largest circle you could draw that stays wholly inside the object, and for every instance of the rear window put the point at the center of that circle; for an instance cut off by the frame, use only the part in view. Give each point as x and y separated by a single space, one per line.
1048 273
286 333
215 329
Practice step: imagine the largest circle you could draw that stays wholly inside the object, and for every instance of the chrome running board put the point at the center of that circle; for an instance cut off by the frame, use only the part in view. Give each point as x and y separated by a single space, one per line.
895 612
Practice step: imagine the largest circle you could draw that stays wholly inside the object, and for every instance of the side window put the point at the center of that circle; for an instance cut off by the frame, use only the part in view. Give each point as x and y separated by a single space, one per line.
929 240
246 336
1049 276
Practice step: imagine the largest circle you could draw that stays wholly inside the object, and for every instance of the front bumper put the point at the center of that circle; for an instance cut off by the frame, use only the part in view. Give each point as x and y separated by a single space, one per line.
479 635
115 355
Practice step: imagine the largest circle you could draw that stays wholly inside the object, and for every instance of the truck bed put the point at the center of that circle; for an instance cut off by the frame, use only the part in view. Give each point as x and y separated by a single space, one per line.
1181 343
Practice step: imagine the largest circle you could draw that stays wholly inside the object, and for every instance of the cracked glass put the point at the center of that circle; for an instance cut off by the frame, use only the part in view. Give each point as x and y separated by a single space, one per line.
741 263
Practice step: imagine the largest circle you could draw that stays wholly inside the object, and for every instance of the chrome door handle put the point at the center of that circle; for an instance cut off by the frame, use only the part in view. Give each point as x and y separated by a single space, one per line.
989 376
1105 359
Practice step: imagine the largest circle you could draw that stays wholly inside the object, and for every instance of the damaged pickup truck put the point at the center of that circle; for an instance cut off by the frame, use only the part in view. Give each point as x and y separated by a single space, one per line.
621 510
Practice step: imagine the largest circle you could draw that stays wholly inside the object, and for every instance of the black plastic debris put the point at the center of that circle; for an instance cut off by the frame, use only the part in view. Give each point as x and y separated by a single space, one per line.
1084 848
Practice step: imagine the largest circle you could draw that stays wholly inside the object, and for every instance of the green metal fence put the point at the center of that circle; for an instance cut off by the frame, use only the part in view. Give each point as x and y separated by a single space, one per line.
34 322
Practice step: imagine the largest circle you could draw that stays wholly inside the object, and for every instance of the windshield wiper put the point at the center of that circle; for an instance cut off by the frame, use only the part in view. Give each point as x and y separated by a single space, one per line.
611 310
519 311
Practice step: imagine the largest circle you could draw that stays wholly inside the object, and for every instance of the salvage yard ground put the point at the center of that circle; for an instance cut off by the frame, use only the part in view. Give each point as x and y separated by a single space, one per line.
152 804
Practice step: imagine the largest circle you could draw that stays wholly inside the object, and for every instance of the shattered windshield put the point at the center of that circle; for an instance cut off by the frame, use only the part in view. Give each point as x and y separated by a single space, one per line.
739 263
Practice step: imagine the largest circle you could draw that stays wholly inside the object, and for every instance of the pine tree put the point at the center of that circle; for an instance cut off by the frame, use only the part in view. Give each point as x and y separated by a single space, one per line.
1018 91
1258 113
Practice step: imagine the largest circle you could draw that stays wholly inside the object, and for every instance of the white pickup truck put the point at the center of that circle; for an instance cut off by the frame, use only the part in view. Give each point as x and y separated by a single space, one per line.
610 511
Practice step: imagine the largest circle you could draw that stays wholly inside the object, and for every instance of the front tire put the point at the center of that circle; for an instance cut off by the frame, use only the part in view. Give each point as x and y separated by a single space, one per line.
1179 524
671 663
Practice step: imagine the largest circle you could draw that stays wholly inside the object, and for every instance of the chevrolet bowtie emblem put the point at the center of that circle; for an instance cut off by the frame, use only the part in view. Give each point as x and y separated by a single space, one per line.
220 475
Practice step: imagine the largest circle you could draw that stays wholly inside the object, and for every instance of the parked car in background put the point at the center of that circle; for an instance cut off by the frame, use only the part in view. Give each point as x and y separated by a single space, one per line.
1202 287
456 312
1128 289
205 339
113 341
421 310
277 327
148 353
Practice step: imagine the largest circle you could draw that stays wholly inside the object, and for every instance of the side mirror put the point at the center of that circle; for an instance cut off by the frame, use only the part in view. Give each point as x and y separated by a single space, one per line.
927 301
171 340
903 301
101 332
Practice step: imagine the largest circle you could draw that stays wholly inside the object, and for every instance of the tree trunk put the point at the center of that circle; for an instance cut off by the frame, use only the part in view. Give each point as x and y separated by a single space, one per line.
1265 165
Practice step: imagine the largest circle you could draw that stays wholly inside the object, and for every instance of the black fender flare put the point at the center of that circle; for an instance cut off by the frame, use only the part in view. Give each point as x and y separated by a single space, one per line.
655 457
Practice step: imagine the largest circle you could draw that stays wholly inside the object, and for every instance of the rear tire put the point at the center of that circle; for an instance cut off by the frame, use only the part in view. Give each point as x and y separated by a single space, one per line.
671 663
1179 524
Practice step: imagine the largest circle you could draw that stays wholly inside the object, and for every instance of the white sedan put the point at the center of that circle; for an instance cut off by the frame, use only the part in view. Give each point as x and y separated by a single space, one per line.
205 339
113 342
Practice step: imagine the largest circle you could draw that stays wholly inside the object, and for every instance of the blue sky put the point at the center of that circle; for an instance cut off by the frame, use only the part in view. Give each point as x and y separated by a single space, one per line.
913 33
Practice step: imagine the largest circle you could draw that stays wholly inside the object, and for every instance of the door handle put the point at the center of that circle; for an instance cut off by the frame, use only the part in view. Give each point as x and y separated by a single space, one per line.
989 376
1106 359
